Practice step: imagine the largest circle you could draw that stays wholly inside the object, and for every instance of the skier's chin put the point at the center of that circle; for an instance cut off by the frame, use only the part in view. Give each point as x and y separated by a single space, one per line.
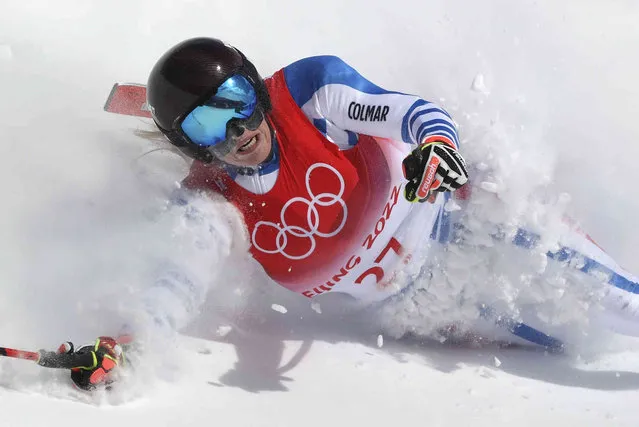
252 148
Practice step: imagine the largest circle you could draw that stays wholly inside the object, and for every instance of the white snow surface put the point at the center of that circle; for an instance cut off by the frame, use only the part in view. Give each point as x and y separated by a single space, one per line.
546 96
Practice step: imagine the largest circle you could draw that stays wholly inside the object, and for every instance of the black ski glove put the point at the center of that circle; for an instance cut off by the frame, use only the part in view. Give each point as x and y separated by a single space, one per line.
90 365
433 167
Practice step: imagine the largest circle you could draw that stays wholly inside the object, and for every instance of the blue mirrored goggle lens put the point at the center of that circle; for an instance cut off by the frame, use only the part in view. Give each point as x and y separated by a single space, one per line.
234 99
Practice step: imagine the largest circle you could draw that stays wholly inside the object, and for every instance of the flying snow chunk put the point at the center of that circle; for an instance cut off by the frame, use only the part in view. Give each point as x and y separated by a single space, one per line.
6 53
279 308
451 206
491 187
223 331
479 85
380 340
316 307
497 362
564 198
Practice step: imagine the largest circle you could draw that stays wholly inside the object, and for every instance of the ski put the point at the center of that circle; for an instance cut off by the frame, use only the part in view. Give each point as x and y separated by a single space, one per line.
128 99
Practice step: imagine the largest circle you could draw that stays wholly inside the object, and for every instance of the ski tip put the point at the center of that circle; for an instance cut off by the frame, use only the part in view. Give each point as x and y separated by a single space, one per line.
128 99
110 97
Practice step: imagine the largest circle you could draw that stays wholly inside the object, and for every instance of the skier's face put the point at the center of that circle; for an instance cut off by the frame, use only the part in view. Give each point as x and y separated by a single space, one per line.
250 148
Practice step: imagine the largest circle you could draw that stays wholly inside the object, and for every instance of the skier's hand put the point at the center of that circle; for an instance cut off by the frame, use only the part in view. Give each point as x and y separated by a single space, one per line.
90 365
431 168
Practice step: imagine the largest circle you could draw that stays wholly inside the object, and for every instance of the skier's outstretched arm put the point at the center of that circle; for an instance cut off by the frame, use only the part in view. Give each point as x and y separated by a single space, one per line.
342 105
203 237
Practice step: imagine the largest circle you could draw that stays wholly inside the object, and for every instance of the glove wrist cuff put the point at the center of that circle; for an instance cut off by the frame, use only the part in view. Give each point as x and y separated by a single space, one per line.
437 140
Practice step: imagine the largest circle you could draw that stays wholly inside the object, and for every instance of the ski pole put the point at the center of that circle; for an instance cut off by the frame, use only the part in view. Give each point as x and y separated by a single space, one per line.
19 354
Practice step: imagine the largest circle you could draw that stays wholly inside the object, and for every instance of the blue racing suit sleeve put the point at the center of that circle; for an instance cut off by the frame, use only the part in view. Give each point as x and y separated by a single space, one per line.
341 104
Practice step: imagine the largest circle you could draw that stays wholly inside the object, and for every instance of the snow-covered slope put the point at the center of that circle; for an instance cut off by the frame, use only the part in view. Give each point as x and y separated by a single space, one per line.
544 91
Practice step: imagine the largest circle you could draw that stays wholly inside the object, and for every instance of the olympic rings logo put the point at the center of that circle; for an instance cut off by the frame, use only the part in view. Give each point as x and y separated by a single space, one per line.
311 230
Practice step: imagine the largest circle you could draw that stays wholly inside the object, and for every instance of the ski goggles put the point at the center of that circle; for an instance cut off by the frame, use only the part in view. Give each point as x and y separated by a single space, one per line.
223 116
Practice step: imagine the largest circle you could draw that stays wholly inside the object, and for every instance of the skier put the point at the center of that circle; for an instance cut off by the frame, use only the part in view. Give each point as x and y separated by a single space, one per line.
340 182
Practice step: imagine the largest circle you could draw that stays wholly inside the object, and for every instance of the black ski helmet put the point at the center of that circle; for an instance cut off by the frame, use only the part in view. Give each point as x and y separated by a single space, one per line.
185 75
